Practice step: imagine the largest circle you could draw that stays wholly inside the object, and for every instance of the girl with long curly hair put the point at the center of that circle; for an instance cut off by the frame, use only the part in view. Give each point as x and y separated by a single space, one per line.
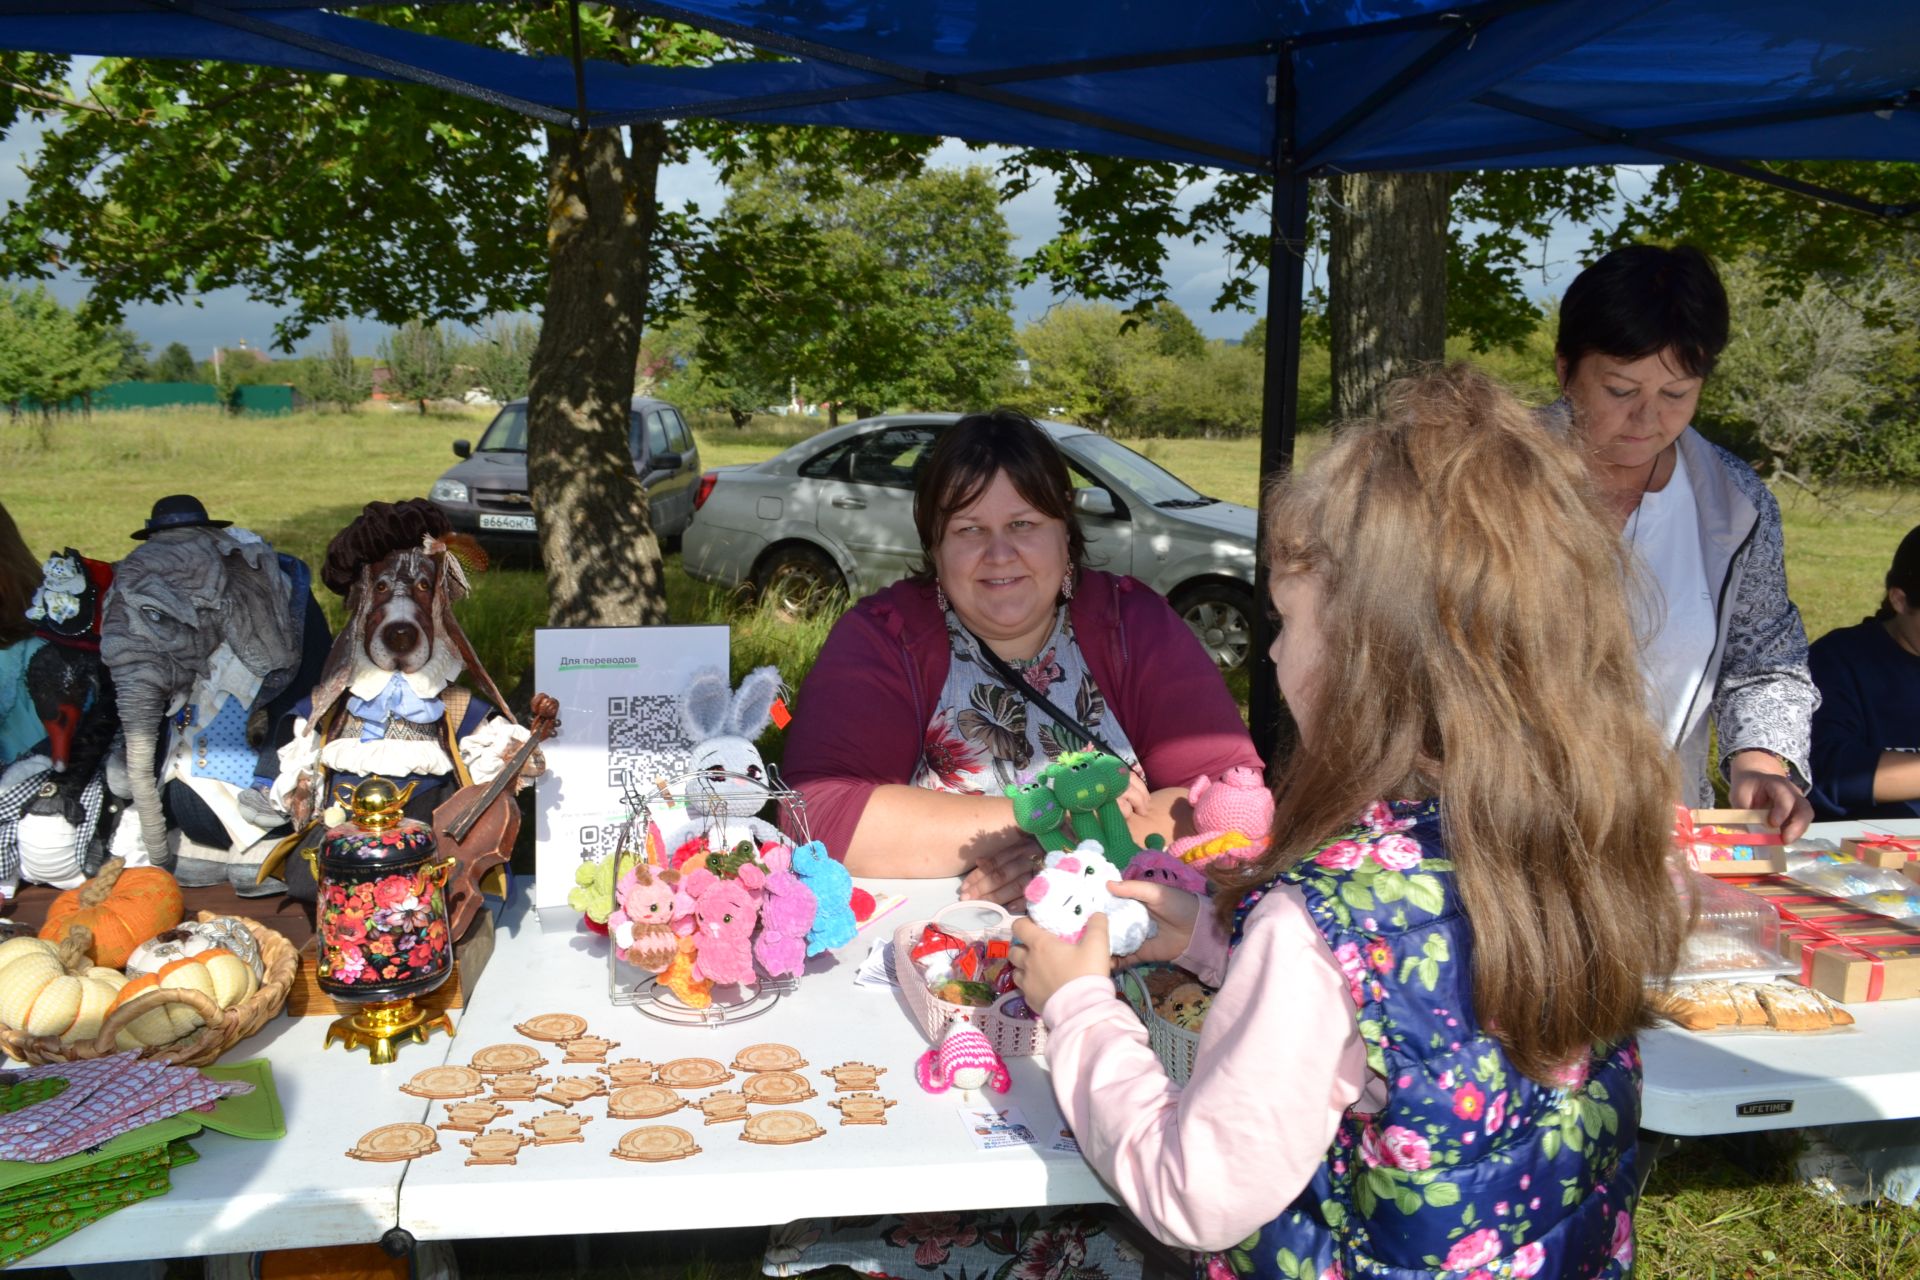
1420 1059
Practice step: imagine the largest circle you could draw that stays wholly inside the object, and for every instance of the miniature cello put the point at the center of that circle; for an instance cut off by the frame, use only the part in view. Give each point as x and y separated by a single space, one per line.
477 825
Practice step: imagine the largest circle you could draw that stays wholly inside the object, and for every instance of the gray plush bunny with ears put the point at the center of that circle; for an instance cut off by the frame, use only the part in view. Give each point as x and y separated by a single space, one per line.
723 725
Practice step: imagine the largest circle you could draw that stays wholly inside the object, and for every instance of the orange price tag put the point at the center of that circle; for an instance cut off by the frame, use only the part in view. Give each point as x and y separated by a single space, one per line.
779 714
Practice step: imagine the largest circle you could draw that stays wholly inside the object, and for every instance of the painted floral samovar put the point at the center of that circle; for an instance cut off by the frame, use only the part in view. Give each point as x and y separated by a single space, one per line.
382 918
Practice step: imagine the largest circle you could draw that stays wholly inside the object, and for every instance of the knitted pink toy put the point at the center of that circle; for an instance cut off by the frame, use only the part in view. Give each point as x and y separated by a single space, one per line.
1233 817
786 913
963 1060
723 915
1161 867
642 923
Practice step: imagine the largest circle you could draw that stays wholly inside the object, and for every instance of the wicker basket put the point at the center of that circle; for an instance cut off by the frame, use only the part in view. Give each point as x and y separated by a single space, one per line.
223 1028
1011 1037
1173 1044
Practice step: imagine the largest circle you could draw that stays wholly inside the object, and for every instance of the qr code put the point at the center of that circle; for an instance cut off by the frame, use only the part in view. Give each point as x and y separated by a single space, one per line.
645 740
600 840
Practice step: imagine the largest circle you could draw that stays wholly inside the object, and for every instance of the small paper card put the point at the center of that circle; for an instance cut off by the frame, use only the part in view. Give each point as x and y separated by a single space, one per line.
1064 1141
997 1128
876 971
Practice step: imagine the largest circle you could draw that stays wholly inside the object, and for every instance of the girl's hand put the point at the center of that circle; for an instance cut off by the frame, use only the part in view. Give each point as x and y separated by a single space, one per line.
1174 911
1002 876
1042 963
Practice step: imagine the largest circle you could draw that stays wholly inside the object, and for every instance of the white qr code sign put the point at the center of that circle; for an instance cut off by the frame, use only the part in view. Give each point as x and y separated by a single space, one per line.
619 693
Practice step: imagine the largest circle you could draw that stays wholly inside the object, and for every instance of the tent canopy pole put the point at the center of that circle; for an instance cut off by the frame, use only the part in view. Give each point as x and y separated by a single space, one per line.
1286 301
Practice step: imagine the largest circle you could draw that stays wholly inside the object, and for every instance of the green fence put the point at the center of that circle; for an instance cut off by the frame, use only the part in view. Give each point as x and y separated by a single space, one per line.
263 401
154 395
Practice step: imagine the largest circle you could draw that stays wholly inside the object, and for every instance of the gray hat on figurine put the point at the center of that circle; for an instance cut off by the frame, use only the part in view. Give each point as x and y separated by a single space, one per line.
177 511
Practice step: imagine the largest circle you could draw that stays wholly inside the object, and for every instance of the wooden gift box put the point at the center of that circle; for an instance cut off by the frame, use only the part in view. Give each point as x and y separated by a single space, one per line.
1863 962
1897 852
1732 842
1801 926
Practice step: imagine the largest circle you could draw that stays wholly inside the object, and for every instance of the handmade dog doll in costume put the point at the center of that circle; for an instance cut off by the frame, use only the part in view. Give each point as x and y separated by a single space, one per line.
209 635
386 702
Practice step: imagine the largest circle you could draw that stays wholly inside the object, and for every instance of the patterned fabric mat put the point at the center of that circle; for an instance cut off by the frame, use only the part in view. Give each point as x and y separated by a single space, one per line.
104 1097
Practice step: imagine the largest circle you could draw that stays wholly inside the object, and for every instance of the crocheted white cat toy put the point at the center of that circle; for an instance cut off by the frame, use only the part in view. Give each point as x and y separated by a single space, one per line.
1073 887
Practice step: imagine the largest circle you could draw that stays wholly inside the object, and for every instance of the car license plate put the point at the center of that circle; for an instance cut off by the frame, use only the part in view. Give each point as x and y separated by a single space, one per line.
519 524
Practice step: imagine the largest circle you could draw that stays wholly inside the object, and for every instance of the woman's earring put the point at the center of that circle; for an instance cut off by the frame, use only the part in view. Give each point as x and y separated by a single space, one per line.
939 595
1066 585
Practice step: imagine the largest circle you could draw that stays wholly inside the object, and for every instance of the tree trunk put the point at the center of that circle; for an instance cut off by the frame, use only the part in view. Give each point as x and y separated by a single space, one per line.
596 535
1386 282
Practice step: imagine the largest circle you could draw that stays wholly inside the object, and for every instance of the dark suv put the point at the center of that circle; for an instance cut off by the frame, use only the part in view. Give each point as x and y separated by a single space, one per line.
486 494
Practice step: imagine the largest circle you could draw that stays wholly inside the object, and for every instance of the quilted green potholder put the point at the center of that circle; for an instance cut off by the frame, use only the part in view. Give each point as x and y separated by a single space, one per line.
24 1093
50 1209
42 1203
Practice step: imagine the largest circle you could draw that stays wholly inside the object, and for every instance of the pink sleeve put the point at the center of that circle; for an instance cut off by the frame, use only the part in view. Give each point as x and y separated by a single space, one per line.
853 729
1174 703
1206 954
1279 1062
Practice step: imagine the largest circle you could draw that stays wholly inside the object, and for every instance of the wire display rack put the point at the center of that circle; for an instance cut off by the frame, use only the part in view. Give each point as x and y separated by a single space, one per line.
709 795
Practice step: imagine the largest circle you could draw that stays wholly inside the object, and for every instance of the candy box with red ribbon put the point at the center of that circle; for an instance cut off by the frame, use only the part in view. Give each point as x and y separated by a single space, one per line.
1862 961
1897 852
1729 842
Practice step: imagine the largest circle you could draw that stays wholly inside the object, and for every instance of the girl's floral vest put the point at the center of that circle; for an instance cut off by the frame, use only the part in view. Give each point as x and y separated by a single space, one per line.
1471 1170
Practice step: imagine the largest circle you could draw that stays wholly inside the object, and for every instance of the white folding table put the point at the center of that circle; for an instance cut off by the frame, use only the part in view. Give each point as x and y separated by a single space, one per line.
922 1159
1744 1082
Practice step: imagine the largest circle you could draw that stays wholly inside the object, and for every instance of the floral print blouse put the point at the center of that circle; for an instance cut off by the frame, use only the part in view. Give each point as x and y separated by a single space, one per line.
985 737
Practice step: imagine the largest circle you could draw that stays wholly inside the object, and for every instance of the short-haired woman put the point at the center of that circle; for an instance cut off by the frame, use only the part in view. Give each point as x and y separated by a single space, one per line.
1640 331
908 728
1866 734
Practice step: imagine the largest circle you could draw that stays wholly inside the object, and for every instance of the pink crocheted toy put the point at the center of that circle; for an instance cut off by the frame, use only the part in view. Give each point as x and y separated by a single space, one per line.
723 915
642 923
1161 867
786 913
1232 817
963 1060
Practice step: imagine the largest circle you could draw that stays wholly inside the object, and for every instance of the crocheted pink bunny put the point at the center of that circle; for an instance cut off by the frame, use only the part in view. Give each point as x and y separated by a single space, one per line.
786 913
1232 817
963 1060
642 923
723 915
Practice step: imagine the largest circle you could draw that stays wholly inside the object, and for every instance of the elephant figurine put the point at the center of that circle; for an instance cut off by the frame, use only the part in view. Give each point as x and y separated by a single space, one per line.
205 629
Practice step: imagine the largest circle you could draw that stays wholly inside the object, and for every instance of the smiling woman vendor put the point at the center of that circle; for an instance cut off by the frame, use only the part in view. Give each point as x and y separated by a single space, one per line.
1640 331
925 703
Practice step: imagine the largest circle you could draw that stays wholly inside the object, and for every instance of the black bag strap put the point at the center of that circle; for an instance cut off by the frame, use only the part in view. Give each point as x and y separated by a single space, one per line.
1013 680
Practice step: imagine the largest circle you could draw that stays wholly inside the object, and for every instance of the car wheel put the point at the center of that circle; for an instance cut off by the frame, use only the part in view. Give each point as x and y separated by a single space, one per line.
1221 614
798 580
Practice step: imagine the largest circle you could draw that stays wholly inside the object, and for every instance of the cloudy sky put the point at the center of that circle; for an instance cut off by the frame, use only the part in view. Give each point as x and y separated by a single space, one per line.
229 317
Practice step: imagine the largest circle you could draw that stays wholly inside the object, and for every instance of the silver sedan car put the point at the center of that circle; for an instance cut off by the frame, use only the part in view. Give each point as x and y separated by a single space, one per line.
834 513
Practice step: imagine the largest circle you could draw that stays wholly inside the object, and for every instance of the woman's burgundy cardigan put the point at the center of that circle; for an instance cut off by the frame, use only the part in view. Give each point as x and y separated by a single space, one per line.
863 709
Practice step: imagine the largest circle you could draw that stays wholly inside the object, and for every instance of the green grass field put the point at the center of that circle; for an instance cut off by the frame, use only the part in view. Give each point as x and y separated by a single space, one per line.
1709 1212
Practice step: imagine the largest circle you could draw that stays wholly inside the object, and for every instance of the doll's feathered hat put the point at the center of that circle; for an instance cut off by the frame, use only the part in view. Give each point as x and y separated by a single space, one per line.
380 530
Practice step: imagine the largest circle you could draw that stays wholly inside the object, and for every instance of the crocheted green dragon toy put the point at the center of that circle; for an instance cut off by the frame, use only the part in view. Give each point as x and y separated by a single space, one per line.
1076 798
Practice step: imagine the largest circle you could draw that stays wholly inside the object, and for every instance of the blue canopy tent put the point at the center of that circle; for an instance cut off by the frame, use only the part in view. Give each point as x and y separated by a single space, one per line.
1292 88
